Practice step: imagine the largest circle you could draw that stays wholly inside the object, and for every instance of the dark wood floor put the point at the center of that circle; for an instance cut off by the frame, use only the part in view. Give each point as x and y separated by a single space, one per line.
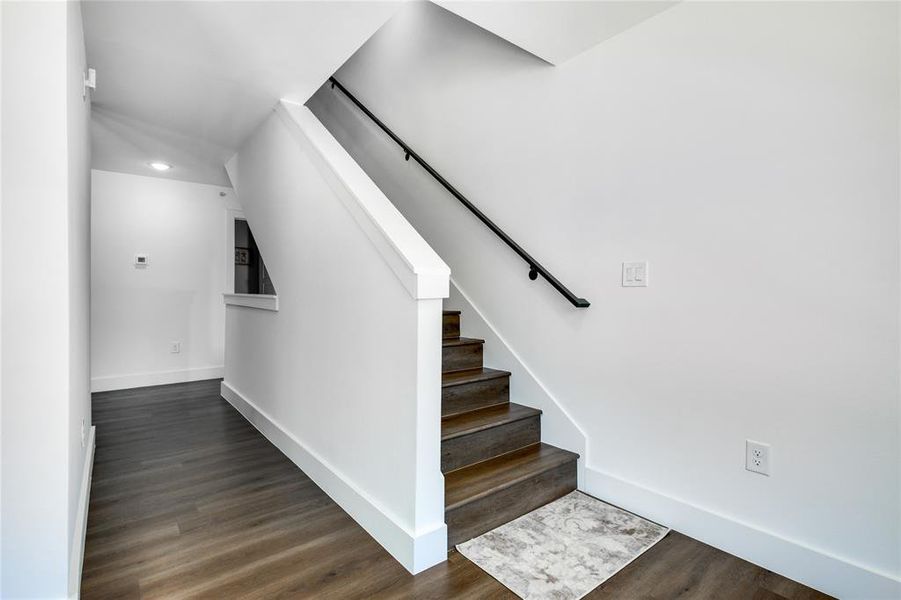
188 500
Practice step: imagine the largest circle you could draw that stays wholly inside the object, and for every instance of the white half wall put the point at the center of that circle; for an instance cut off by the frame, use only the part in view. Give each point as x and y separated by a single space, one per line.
345 377
750 153
137 312
44 346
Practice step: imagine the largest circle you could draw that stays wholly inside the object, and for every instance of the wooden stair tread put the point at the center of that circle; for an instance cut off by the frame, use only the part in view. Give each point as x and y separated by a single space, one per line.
460 341
479 480
484 418
472 375
495 466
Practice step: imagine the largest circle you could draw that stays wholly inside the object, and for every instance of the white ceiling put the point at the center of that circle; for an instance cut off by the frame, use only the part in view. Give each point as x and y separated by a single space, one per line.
555 30
186 82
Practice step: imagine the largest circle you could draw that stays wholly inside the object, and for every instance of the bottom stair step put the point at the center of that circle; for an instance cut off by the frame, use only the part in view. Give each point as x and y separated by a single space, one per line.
488 494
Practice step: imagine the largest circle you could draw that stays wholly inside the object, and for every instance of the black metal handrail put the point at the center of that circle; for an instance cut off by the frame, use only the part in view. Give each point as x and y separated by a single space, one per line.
535 268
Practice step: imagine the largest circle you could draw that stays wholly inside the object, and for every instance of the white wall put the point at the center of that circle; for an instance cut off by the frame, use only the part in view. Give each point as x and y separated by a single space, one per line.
750 152
345 376
1 294
244 56
45 294
78 123
552 30
137 312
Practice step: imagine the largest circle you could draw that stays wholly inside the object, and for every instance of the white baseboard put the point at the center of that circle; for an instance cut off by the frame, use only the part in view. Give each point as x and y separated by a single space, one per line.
815 568
76 554
416 551
136 380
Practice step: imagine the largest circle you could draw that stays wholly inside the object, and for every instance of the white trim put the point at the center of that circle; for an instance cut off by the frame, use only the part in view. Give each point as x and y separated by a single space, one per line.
415 551
260 301
136 380
816 568
419 269
76 554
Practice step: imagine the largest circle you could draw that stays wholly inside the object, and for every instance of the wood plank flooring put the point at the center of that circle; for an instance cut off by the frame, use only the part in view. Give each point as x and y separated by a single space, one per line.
188 500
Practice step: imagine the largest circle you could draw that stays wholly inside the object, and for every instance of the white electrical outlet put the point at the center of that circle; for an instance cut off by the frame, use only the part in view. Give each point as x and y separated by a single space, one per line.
635 274
757 457
174 347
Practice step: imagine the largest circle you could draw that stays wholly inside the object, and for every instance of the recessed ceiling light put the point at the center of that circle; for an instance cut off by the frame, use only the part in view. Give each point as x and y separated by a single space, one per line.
160 166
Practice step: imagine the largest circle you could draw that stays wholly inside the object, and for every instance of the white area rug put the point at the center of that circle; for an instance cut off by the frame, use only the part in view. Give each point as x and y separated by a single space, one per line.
564 549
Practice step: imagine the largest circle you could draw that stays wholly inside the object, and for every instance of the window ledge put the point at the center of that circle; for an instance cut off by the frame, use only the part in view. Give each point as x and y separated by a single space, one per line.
260 301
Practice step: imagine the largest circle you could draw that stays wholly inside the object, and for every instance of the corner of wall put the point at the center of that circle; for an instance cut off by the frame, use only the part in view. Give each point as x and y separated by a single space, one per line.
76 554
1 295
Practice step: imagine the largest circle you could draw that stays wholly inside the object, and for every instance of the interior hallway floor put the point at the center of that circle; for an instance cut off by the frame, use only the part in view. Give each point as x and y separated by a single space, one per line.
188 500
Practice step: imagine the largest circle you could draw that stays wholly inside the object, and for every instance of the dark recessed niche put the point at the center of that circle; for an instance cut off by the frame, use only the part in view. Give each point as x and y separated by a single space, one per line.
251 276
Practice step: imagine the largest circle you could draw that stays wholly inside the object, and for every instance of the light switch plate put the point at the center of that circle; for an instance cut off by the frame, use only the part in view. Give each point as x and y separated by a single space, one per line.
142 260
635 274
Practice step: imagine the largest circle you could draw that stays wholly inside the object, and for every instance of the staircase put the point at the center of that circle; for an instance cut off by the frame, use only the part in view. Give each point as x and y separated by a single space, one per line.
495 466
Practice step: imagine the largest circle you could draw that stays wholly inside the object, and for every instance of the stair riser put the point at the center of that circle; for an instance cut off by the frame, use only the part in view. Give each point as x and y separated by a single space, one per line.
478 394
479 516
461 357
476 447
451 327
